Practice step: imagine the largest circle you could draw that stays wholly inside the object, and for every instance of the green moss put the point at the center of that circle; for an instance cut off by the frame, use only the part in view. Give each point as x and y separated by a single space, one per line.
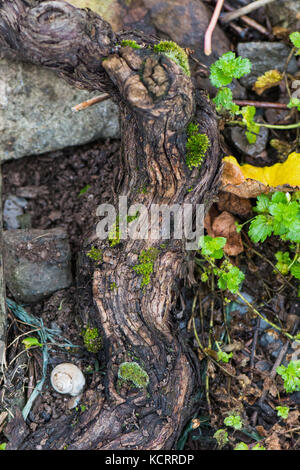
114 235
95 254
92 339
175 53
132 371
196 146
145 266
130 43
113 286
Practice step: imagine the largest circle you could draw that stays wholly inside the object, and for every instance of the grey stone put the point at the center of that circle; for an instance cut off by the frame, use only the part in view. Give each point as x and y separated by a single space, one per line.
285 13
13 208
36 114
36 263
239 139
265 56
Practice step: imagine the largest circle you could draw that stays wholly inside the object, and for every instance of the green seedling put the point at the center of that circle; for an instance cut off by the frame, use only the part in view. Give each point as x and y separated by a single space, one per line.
283 411
290 376
95 254
234 421
31 342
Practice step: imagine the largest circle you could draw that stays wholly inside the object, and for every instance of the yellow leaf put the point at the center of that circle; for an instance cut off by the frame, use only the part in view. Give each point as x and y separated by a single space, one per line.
249 181
268 80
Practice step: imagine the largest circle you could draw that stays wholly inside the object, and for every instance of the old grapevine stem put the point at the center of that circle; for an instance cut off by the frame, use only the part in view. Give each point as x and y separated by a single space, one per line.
157 101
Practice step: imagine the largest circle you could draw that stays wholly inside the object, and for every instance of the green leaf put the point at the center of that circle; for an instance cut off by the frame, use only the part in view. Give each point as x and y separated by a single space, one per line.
260 228
230 277
241 446
212 247
294 103
30 342
283 262
223 101
223 356
221 437
295 270
262 204
295 38
282 411
227 67
234 421
248 113
291 376
258 447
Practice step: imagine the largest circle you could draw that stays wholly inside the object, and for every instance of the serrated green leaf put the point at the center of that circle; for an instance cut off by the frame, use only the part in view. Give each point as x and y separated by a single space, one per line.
262 203
260 228
227 67
295 270
295 38
224 101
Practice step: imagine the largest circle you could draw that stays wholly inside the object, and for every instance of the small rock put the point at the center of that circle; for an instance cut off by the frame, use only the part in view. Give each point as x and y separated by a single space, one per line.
272 342
263 366
13 208
36 112
265 56
29 277
239 139
285 14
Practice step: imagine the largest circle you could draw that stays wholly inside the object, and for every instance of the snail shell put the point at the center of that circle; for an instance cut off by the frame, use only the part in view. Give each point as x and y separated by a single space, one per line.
67 378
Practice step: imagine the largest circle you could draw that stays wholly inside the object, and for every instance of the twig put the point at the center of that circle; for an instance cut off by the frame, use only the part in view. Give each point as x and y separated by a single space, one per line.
3 313
245 10
211 27
260 104
248 21
91 102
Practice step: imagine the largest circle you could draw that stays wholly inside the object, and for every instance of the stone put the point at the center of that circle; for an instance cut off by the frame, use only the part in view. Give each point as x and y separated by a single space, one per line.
185 22
286 14
12 211
36 112
36 263
239 139
265 56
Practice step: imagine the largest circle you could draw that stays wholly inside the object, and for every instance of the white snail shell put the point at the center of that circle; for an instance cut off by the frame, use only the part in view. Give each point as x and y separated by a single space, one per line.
67 378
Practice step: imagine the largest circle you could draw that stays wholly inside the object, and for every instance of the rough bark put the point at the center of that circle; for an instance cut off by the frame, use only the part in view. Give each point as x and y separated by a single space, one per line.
157 101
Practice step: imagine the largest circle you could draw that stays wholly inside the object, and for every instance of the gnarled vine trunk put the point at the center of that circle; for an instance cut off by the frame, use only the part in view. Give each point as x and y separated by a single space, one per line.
157 100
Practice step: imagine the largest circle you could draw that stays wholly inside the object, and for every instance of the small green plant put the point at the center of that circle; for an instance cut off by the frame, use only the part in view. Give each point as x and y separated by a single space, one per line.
258 446
295 39
221 437
241 446
30 342
222 72
95 254
229 277
133 372
290 376
3 446
145 266
130 43
175 53
92 339
196 146
84 190
234 421
282 411
279 214
113 286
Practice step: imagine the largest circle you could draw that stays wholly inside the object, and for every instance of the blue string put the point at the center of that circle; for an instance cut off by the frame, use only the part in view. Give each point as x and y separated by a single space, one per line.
46 335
